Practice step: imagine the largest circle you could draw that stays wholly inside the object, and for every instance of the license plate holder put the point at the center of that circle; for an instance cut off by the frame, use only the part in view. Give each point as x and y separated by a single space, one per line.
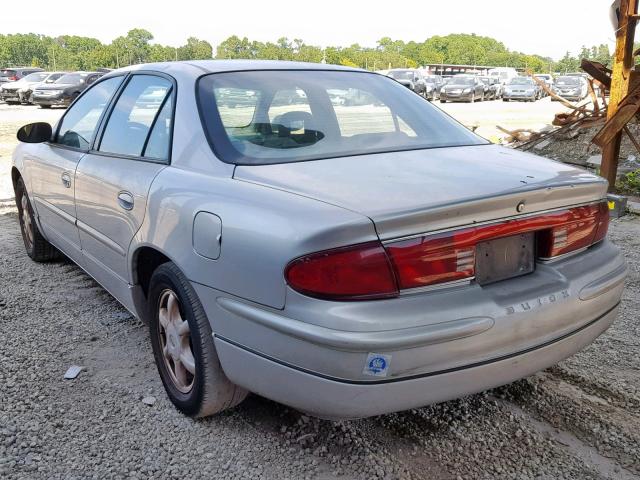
504 258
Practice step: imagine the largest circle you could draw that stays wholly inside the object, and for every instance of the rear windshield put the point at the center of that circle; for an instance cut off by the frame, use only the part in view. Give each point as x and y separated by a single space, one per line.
7 73
264 117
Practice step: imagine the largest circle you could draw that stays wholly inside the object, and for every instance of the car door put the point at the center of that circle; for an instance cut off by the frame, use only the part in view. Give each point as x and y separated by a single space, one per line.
51 166
113 180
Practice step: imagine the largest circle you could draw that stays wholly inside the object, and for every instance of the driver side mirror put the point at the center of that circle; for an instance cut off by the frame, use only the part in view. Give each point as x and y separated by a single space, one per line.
35 133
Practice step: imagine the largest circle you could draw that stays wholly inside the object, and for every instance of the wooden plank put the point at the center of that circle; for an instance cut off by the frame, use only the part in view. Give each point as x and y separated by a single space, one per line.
623 63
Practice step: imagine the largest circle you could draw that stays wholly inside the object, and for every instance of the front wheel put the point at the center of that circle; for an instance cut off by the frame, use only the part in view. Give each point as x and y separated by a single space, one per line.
183 347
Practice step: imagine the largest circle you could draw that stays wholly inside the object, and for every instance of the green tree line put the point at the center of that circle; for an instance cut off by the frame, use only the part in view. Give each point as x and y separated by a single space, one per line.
70 52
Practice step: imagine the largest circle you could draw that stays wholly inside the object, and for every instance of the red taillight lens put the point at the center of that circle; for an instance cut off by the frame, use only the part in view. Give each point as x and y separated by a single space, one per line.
13 79
369 270
352 273
440 258
582 227
433 259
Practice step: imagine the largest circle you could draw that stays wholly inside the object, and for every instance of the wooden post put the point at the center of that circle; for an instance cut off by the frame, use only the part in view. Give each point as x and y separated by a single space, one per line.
622 65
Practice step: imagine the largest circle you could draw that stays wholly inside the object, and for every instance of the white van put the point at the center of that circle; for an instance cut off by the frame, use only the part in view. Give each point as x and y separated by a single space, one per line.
504 74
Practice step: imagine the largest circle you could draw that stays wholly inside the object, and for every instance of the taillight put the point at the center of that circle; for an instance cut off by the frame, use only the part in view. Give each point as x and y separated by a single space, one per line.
582 227
369 270
351 273
434 259
13 79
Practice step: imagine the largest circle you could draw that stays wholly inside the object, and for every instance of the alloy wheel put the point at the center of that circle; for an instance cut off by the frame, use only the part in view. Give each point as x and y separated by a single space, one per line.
175 340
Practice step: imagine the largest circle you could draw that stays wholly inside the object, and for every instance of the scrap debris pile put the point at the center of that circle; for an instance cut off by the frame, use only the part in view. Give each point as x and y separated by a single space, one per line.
576 137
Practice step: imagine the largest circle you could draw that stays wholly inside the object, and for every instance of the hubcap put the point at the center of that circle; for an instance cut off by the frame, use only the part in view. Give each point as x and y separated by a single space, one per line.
25 217
175 340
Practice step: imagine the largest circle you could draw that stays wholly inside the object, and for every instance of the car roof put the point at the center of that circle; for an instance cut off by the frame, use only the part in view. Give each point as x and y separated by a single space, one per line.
200 67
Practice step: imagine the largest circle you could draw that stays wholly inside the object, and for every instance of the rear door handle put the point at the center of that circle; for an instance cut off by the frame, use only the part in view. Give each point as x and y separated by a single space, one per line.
66 180
125 200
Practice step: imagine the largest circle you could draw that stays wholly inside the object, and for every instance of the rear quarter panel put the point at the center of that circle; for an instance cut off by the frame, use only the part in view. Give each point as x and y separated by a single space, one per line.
262 230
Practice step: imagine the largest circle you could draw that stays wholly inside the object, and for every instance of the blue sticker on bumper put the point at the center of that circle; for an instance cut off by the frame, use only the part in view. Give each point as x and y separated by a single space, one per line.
377 365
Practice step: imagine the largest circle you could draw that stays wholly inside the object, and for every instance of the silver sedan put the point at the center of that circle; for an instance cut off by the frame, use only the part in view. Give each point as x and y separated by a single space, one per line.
319 235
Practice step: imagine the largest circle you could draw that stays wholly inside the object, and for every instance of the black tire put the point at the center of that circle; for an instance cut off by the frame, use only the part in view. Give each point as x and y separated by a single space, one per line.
45 106
210 391
37 247
443 101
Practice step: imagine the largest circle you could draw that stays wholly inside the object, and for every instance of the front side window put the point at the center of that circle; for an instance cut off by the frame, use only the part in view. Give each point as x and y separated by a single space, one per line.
79 124
263 117
134 115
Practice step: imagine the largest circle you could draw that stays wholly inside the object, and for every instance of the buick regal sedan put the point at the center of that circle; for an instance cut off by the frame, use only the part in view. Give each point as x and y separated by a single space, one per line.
346 260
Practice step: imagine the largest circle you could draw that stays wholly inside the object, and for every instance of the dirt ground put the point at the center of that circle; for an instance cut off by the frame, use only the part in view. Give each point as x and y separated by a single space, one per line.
577 420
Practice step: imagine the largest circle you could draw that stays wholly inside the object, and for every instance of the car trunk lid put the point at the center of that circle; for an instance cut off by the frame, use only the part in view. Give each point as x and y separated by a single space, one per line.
410 192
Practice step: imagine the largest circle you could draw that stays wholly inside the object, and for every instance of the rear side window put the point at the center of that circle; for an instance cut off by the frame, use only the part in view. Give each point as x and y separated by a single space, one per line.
134 116
79 124
160 137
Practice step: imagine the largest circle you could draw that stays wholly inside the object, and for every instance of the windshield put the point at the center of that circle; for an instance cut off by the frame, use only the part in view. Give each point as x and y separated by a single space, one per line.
568 81
401 74
71 78
521 81
35 77
462 81
264 117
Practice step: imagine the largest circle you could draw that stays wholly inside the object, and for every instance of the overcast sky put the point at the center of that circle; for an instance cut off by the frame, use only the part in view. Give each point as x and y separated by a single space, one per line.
545 27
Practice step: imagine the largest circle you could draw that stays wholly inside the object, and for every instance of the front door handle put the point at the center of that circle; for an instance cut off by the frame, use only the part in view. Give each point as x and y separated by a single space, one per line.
66 180
125 200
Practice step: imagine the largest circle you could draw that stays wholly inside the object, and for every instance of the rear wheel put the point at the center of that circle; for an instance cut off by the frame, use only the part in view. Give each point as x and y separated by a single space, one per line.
37 247
183 347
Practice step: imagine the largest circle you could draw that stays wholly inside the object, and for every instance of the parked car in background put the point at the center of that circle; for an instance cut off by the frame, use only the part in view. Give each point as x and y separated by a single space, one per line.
571 87
410 78
462 88
503 74
345 261
64 90
493 88
548 81
12 92
13 74
22 90
521 88
436 82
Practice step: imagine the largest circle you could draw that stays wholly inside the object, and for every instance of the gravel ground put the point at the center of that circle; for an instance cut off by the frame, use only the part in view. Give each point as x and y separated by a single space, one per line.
580 419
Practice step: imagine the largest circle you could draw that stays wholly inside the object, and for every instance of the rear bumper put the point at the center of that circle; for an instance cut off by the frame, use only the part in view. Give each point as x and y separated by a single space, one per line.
424 337
337 399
